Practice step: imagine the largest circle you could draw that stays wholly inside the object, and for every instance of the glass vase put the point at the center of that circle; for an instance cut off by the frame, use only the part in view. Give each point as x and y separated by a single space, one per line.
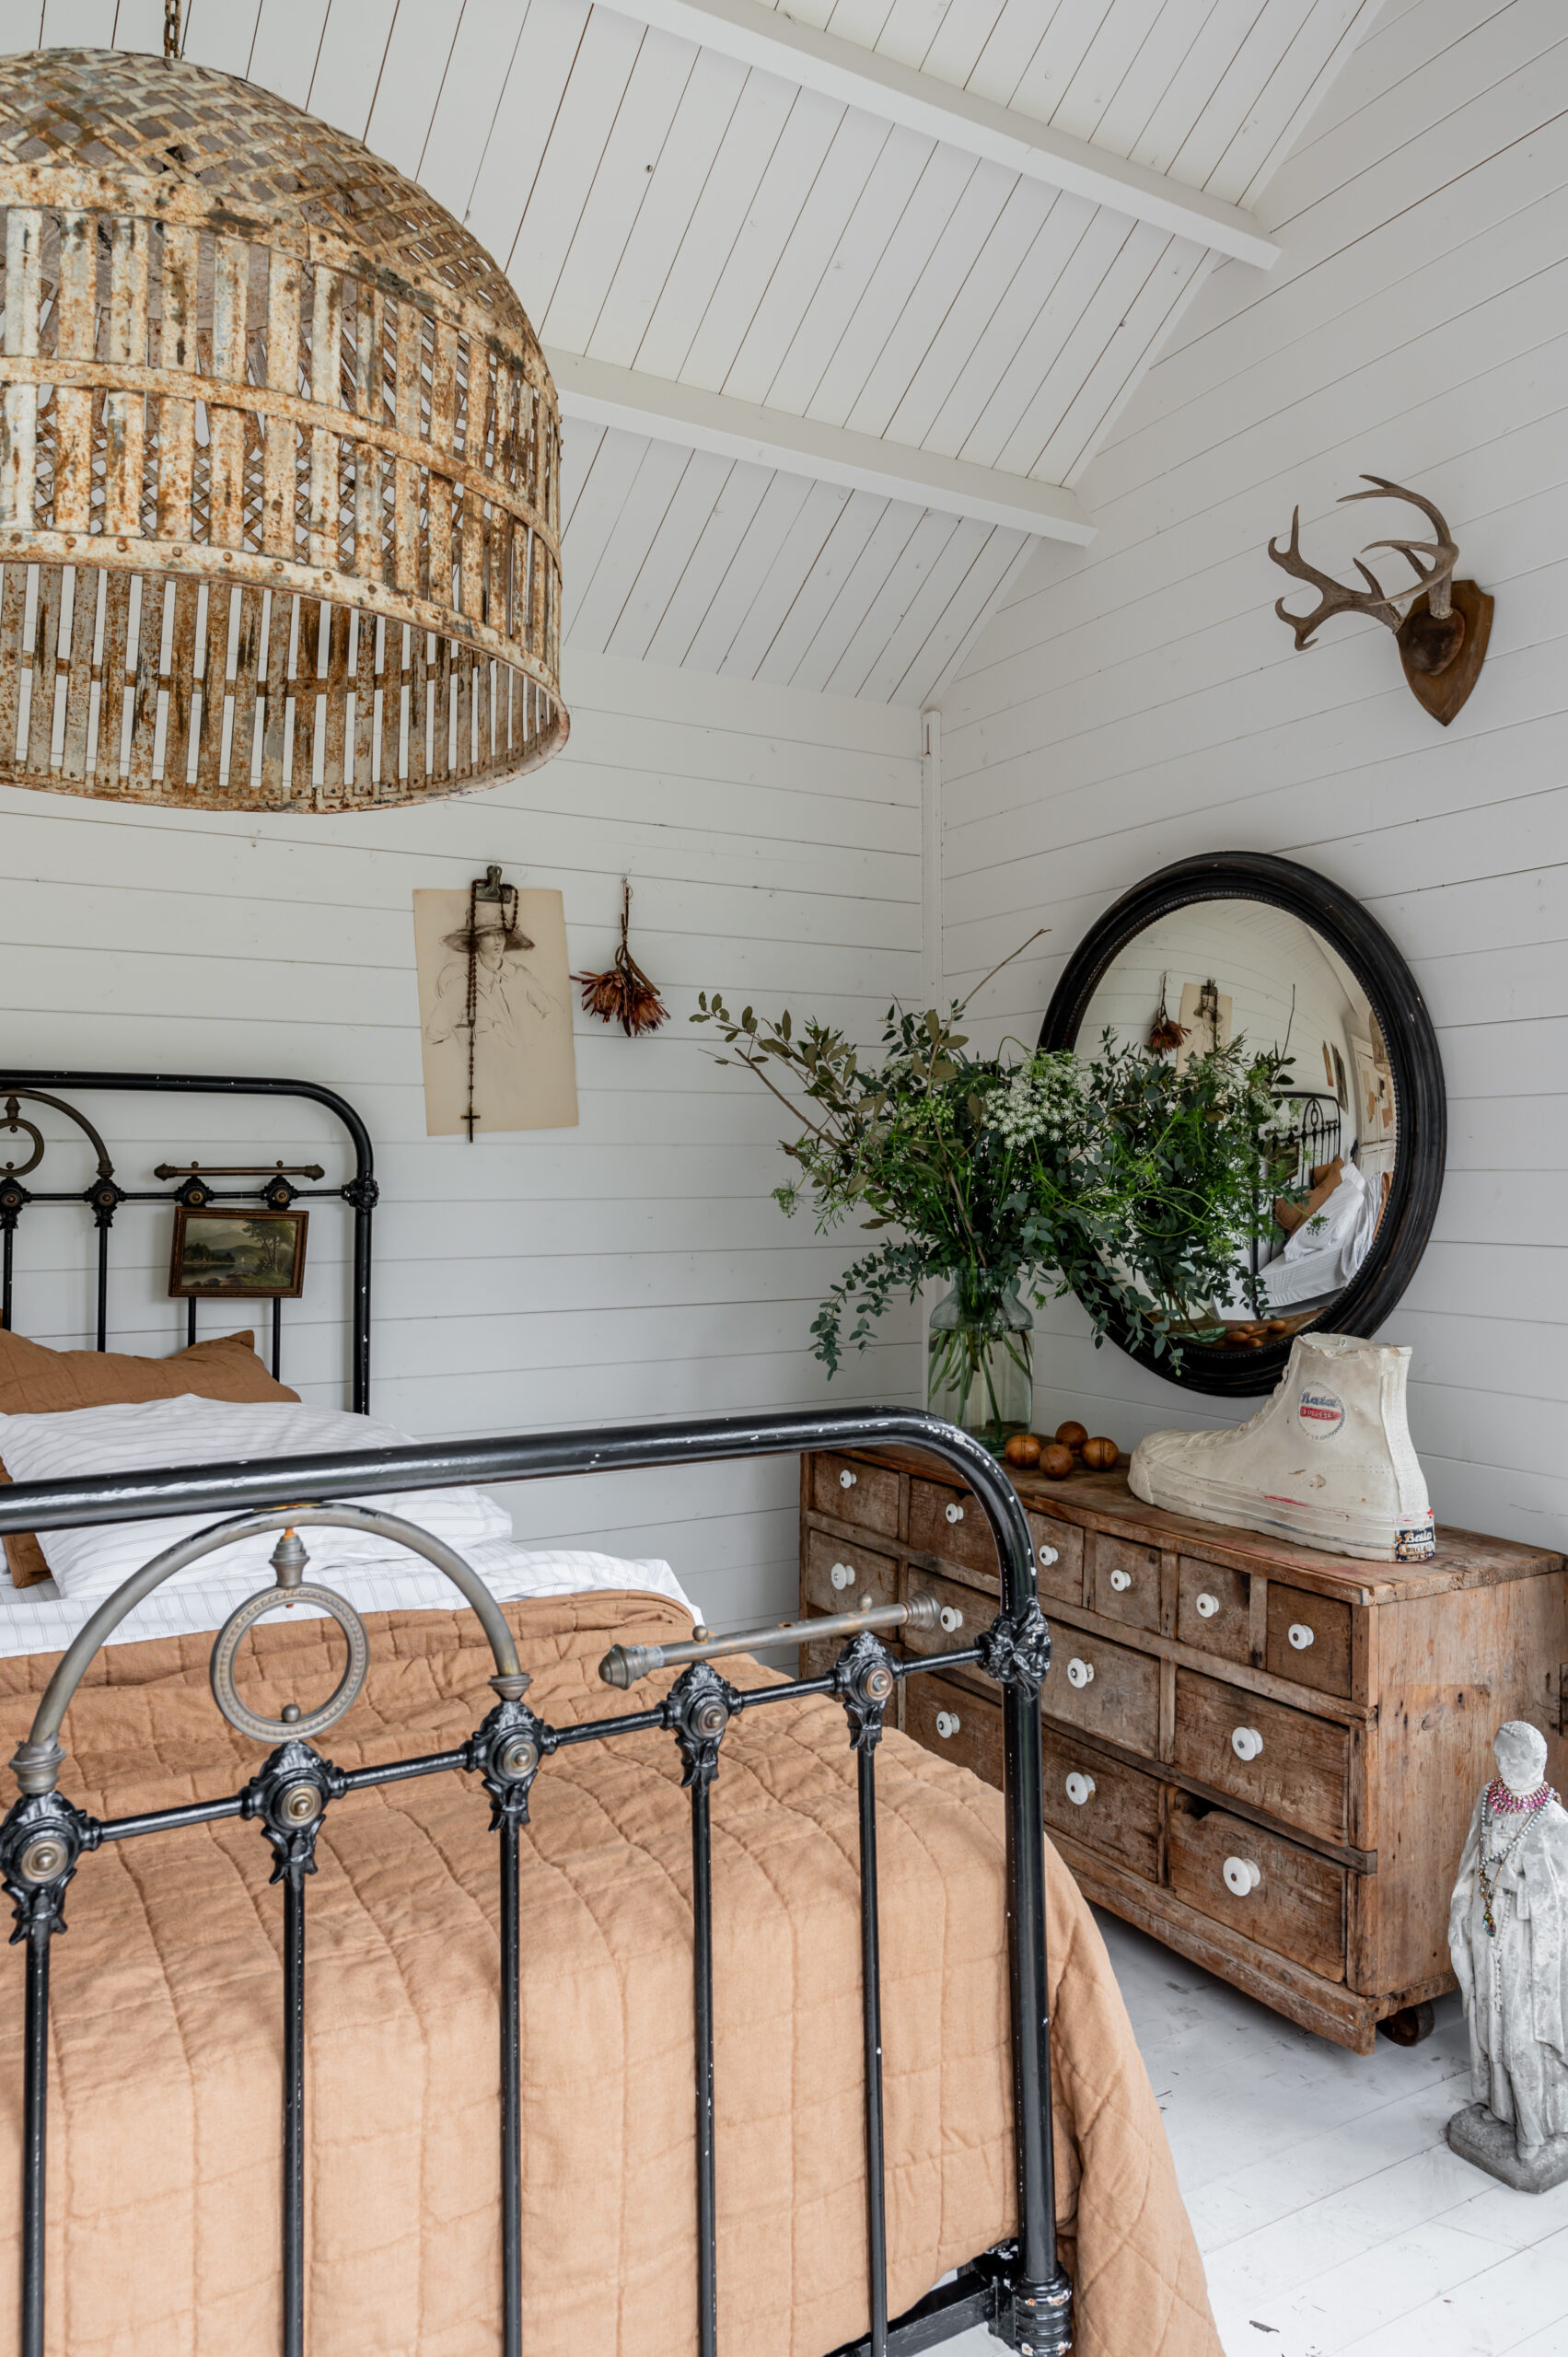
980 1365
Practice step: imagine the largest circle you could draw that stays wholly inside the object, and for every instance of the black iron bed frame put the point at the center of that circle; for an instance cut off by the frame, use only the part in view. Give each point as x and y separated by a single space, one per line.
1020 2288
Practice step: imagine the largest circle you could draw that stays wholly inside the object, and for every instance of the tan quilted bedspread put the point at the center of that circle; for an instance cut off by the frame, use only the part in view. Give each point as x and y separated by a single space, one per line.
164 2124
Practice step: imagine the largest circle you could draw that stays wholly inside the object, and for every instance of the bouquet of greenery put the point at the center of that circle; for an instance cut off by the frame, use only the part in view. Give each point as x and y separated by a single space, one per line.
1131 1184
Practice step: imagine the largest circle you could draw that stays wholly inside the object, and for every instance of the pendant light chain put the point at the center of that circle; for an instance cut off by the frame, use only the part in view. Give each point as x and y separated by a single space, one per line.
171 28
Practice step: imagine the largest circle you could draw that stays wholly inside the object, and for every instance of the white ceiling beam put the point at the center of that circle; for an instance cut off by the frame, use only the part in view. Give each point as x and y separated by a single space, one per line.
860 77
600 394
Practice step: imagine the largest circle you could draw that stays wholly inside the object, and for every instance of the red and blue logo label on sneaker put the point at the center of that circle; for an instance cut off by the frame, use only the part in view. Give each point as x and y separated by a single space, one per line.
1320 1413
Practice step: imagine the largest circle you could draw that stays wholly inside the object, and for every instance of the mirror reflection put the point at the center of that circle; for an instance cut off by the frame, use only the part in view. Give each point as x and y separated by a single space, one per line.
1253 988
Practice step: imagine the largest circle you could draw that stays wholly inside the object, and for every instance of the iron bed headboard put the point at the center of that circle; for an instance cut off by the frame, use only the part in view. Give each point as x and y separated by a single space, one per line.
1018 2289
105 1195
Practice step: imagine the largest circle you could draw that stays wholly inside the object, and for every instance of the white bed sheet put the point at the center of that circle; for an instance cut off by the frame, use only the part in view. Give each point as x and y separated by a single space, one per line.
39 1619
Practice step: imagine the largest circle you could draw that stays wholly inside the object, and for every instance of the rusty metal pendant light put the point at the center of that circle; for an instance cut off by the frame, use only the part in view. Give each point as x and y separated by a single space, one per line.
279 459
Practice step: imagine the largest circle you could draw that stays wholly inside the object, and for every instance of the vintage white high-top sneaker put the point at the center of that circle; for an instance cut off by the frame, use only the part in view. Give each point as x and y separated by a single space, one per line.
1327 1460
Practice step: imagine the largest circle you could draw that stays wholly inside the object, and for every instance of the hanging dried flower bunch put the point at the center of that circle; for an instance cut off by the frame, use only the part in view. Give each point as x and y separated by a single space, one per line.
1166 1033
622 993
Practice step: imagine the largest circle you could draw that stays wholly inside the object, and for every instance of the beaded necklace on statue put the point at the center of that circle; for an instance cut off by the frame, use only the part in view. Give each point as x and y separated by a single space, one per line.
1500 1801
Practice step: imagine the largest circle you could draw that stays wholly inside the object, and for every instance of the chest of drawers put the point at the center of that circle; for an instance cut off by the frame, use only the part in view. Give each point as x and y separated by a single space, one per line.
1264 1755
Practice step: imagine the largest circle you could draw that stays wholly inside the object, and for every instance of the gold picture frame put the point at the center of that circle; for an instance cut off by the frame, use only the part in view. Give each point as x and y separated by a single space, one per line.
235 1254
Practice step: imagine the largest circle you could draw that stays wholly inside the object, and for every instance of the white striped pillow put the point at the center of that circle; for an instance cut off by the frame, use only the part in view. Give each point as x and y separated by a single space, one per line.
93 1560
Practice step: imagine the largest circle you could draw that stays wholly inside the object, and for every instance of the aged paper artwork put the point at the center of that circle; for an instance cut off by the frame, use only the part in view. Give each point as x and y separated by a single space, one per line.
523 1070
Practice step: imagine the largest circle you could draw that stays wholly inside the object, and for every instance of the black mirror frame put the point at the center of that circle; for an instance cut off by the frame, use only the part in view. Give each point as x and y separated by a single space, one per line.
1420 1097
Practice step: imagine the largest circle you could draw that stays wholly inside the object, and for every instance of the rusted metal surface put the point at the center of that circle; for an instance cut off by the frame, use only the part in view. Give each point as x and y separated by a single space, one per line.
242 352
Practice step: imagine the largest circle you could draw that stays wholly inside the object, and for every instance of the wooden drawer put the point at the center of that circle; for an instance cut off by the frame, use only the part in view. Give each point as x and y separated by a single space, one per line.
867 1493
1300 1774
970 1733
817 1658
952 1523
967 1614
1125 1580
1297 1905
1063 1578
1309 1639
1119 1814
875 1574
1214 1609
1121 1698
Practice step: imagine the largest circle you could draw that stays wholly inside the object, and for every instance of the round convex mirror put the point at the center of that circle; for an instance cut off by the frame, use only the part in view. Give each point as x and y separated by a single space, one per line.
1241 981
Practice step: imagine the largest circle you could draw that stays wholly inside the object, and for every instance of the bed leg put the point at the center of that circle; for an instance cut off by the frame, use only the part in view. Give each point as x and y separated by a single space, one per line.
863 1679
511 2101
35 2137
1035 2308
871 2005
294 2118
698 1708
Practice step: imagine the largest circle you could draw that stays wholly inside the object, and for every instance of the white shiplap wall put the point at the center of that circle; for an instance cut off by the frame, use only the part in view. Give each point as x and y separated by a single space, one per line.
1140 702
633 1267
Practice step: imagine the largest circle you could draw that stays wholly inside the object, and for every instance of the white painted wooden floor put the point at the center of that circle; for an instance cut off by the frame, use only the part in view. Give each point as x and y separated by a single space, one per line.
1331 2214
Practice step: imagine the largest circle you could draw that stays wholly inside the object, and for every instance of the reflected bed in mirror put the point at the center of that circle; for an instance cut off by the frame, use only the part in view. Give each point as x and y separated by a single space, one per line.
1241 953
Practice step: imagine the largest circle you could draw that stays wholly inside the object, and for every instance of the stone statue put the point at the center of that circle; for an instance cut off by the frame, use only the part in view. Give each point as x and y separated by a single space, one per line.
1508 1938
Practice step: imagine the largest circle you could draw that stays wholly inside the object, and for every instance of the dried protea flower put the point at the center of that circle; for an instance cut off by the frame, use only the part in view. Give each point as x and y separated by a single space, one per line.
622 993
1166 1033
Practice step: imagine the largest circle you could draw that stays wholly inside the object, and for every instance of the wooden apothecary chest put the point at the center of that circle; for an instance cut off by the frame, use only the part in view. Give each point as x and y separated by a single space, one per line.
1264 1755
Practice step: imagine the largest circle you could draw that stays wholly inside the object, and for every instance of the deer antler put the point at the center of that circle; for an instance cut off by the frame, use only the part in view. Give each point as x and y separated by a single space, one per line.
1339 597
1444 551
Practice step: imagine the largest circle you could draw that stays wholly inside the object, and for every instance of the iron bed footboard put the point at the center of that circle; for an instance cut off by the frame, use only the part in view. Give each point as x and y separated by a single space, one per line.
1019 2290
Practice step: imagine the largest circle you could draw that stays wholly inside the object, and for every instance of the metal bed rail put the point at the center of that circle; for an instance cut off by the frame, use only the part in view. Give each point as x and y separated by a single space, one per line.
1018 2289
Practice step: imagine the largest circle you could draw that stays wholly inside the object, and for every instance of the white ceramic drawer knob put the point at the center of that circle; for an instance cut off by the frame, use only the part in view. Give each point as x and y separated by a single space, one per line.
1120 1580
955 1512
1301 1636
1242 1876
1207 1606
948 1725
842 1574
1080 1789
1246 1742
847 1479
952 1619
1080 1673
1048 1555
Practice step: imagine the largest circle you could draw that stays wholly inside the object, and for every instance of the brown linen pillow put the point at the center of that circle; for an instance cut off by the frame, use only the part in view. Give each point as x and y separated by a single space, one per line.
37 1381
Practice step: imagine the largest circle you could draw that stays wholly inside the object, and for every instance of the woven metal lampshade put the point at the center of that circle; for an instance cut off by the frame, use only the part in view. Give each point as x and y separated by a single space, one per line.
279 459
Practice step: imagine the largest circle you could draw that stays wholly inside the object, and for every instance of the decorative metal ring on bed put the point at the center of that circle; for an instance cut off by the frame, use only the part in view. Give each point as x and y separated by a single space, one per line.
1018 2289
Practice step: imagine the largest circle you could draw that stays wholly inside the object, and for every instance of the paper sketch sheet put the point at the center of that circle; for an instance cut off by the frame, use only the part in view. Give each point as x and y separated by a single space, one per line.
525 1069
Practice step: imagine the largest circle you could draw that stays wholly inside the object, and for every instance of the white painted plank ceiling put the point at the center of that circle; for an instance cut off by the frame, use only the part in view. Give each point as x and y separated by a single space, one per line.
668 210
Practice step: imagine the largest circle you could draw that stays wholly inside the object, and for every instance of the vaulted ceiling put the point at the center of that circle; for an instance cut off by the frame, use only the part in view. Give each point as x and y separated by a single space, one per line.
840 298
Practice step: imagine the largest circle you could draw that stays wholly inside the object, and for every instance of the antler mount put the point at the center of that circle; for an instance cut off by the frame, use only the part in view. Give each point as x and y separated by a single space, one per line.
1442 625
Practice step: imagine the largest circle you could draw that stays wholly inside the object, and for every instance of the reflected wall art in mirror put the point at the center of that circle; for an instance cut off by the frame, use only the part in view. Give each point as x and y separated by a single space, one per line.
1268 968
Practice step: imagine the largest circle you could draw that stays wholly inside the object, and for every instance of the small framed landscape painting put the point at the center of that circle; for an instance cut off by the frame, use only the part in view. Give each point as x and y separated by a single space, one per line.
238 1253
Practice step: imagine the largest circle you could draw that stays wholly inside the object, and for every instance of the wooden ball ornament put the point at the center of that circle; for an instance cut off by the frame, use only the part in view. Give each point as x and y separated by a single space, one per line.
1056 1461
1101 1455
1072 1435
1022 1449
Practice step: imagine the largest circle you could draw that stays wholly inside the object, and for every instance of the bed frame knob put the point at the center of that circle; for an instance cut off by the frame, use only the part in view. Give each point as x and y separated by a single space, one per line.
300 1805
43 1859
